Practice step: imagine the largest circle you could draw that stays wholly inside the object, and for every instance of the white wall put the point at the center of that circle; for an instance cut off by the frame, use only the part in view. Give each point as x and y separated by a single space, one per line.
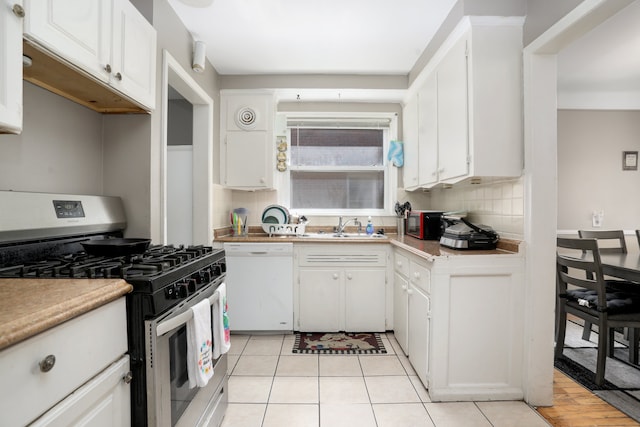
59 150
590 175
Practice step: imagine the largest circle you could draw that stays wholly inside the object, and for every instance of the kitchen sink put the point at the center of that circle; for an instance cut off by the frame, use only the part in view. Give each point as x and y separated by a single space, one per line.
342 236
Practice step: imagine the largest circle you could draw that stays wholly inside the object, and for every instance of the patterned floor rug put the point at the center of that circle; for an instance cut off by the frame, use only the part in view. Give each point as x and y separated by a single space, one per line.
338 343
622 380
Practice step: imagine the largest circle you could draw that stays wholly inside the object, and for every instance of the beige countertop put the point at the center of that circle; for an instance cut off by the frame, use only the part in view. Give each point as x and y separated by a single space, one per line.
425 248
30 306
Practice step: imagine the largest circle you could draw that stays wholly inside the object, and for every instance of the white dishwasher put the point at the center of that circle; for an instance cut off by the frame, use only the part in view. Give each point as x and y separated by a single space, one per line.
260 286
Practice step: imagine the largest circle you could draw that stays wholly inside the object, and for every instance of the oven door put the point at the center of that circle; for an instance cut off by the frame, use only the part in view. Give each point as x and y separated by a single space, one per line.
170 401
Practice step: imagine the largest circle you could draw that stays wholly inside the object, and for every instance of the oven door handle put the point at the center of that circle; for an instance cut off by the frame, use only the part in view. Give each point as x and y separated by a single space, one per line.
181 319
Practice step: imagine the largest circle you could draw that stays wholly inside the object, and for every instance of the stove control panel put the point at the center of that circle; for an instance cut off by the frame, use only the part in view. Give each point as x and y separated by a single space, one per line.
68 208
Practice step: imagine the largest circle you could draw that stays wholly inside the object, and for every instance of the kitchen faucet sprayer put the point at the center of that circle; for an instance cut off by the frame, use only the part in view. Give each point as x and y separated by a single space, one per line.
341 226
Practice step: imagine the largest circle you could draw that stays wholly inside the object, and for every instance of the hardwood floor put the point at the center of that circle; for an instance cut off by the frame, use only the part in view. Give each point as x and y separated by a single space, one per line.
575 406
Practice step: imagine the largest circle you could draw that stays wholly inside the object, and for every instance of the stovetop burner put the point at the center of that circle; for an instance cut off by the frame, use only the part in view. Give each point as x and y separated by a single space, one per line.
156 260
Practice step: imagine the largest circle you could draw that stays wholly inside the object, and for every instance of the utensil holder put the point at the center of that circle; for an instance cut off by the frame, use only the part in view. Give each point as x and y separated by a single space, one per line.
400 226
240 231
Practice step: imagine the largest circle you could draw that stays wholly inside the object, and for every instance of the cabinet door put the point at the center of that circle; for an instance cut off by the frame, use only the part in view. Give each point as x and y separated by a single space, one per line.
411 143
10 68
428 131
365 300
103 401
419 318
76 30
401 311
453 134
133 56
320 300
246 154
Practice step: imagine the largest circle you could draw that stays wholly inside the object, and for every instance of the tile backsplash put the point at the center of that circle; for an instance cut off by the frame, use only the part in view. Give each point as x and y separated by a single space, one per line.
497 203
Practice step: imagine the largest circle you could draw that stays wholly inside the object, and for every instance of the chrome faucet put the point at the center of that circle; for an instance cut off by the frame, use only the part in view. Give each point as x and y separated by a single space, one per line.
341 226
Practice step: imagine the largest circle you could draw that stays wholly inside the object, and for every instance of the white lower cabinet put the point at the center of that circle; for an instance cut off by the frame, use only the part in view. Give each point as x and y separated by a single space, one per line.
73 374
320 308
340 288
418 319
411 310
464 323
401 311
103 401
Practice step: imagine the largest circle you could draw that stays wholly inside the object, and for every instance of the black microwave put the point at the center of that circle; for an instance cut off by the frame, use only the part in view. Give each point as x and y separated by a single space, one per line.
424 225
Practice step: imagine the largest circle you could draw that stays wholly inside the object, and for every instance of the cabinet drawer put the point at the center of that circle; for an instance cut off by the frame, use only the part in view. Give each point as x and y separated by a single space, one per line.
346 257
420 276
82 348
104 399
401 264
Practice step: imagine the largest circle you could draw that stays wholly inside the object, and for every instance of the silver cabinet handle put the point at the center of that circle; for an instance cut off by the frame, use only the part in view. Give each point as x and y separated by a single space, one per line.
107 68
18 11
47 363
128 377
118 76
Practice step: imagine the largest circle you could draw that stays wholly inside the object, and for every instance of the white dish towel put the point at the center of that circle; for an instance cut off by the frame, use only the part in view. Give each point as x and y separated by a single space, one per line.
199 360
221 332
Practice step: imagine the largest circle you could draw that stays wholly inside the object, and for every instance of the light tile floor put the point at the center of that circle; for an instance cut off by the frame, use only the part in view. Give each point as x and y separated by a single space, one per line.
269 386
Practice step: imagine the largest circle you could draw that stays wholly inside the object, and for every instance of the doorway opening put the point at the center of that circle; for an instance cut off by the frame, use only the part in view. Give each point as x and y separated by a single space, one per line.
187 150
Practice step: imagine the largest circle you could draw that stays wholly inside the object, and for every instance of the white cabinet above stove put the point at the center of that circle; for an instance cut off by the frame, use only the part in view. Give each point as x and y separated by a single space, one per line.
92 52
10 67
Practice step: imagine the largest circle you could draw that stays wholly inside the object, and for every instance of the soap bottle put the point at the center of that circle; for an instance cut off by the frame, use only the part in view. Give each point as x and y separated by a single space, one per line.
369 227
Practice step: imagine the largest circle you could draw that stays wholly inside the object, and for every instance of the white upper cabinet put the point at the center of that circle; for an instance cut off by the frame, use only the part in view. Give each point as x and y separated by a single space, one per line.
133 54
247 141
109 40
10 66
452 113
428 131
470 104
410 168
496 146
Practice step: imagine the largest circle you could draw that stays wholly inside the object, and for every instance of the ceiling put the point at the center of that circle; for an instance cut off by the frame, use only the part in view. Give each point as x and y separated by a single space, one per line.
603 66
313 37
379 37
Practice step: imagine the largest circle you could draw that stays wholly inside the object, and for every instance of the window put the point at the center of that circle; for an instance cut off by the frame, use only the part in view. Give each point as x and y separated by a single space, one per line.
339 165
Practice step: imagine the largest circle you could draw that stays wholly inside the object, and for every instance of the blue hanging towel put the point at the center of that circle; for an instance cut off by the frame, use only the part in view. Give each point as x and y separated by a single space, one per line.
396 153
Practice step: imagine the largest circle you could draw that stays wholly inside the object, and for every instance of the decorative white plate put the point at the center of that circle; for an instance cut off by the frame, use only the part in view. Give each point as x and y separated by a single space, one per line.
280 213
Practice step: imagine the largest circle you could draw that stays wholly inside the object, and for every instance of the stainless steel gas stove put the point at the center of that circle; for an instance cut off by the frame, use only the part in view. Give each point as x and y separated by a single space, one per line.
77 236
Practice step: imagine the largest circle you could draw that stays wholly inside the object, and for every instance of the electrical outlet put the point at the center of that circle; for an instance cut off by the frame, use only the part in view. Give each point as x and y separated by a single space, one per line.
597 218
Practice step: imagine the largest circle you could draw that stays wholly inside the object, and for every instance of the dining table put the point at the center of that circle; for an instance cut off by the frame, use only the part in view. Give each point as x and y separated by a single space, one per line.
626 267
623 266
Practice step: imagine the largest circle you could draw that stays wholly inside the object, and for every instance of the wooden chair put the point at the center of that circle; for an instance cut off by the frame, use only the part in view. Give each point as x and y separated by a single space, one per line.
579 265
611 242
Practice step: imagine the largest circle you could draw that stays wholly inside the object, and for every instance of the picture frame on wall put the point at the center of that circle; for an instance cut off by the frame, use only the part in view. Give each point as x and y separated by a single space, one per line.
629 160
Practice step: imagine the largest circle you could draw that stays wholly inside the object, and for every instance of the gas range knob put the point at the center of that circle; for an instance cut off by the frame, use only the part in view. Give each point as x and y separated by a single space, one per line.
217 270
198 277
170 292
183 290
208 275
191 285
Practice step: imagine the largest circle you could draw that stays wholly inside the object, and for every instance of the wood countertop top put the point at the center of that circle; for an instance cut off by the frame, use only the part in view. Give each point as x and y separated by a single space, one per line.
31 305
